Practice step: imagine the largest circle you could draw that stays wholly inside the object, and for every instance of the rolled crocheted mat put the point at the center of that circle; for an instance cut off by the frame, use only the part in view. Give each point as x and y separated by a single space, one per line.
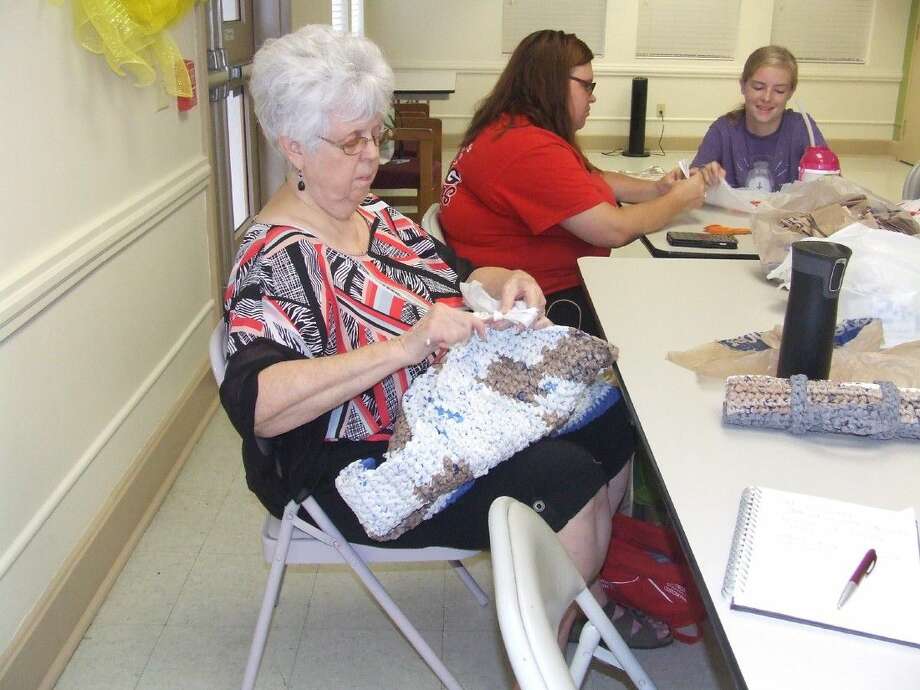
482 403
877 410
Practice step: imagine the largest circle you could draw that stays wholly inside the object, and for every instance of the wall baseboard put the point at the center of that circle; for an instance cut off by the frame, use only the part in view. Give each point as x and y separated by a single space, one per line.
52 632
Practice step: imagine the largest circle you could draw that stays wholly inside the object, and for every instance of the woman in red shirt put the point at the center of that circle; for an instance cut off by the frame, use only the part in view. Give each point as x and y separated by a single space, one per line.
521 194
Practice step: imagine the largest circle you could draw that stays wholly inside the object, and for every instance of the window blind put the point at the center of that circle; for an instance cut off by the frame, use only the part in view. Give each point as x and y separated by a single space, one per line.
585 18
816 31
677 28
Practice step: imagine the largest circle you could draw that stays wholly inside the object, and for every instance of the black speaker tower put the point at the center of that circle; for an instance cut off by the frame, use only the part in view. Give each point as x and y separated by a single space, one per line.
636 146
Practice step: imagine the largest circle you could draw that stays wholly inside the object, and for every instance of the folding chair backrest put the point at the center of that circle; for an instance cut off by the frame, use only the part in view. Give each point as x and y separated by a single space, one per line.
217 351
431 223
911 189
535 582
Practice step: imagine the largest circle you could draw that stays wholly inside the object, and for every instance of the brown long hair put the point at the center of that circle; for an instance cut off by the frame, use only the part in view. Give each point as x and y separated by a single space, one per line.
535 84
767 56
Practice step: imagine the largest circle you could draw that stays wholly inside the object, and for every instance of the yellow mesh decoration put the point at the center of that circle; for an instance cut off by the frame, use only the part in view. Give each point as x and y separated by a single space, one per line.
132 36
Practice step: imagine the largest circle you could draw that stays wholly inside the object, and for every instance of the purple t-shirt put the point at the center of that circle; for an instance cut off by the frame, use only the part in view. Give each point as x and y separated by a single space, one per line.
763 163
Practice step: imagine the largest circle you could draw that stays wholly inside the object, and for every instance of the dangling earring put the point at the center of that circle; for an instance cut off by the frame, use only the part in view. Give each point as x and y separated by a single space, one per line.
300 183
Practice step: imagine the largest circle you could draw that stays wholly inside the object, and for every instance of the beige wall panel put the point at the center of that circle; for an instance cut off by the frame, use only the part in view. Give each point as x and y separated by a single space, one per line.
466 38
81 137
88 360
94 367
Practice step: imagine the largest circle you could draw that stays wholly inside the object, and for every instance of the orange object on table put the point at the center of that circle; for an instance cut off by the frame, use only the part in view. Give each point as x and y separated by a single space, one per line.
717 229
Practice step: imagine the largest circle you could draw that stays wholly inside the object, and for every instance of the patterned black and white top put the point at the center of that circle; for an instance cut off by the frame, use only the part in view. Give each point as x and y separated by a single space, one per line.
288 287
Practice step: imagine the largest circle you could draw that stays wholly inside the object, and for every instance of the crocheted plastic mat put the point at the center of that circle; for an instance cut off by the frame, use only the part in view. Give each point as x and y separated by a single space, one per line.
482 403
878 410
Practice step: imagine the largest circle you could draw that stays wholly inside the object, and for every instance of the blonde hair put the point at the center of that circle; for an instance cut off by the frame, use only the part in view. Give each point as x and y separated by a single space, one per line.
767 56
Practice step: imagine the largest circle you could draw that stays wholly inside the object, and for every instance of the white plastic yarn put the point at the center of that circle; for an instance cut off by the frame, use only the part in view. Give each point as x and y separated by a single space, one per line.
486 400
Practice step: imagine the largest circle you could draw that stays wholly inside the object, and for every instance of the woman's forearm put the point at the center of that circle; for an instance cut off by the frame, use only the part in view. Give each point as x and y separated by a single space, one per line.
296 392
630 189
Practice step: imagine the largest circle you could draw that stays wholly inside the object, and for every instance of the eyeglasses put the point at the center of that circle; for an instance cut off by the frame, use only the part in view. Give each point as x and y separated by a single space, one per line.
355 145
589 85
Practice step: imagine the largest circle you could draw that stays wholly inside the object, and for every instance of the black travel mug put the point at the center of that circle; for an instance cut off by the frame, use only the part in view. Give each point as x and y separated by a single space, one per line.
811 313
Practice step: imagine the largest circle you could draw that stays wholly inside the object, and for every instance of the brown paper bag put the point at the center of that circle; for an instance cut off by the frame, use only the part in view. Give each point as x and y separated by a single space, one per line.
857 355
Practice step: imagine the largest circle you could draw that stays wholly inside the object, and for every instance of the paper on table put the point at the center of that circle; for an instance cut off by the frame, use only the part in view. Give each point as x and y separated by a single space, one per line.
725 196
793 554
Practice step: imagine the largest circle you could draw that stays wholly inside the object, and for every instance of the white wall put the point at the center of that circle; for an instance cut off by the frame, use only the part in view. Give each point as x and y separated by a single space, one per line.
105 297
849 101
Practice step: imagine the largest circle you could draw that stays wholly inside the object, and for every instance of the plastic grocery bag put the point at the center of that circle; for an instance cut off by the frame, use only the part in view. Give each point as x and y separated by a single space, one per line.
882 280
857 355
819 208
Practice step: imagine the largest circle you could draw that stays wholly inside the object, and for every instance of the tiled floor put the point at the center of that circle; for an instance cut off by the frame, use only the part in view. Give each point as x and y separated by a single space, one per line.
182 612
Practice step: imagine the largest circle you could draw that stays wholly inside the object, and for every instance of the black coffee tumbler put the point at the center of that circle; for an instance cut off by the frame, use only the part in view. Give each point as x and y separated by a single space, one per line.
811 313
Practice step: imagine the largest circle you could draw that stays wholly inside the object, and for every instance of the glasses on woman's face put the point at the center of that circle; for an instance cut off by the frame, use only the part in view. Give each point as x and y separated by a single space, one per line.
354 146
589 85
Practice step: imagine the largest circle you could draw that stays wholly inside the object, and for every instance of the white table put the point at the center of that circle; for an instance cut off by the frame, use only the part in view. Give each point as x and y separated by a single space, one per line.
650 307
695 221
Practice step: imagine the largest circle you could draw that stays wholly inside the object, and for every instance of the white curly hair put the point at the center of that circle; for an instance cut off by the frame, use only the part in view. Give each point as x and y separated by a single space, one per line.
303 80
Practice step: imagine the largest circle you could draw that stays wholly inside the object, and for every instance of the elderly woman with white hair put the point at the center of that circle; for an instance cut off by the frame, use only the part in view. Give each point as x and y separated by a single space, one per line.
336 302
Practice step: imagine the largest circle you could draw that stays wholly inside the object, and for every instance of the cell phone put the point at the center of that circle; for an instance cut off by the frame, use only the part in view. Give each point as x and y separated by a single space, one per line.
701 239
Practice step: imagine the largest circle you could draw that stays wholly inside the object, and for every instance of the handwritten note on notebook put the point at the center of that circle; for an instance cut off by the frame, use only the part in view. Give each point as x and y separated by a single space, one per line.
792 555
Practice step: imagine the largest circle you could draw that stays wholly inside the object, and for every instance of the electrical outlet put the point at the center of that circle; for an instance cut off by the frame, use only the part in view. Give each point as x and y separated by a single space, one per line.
660 111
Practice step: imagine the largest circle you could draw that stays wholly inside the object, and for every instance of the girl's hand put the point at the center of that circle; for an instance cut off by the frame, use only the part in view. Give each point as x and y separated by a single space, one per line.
712 173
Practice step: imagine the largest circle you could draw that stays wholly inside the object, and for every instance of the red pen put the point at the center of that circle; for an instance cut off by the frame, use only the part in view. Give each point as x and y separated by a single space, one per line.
864 568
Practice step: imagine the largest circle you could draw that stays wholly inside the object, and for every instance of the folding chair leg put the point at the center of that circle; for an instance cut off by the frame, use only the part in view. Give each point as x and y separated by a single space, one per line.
584 653
470 582
383 598
269 599
621 655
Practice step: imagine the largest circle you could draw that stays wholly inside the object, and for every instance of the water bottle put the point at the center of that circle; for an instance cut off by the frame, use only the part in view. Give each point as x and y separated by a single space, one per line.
811 313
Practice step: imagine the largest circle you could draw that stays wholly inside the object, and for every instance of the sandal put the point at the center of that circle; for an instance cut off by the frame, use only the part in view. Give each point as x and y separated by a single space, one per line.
638 630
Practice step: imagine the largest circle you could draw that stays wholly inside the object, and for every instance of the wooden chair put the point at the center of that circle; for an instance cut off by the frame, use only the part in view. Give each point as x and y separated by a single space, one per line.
412 179
411 109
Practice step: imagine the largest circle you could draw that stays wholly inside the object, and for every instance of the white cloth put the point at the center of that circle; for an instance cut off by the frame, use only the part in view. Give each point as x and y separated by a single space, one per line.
486 307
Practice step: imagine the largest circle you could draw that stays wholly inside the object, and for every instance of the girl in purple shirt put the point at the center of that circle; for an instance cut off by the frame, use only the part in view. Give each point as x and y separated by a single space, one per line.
760 144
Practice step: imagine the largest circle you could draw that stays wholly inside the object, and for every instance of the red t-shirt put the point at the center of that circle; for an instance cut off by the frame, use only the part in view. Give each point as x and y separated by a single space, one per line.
505 195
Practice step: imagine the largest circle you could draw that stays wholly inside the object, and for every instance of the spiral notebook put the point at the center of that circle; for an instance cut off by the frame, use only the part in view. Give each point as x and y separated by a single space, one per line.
793 554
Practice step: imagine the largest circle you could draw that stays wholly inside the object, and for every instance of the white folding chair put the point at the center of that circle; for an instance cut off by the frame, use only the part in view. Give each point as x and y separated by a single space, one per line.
431 224
535 583
911 188
293 540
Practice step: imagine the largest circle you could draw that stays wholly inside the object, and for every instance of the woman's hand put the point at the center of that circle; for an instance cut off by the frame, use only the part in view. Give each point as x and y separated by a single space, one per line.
663 184
522 286
440 328
691 191
507 287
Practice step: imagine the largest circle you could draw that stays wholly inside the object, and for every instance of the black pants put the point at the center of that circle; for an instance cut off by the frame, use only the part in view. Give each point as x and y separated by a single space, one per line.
555 476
